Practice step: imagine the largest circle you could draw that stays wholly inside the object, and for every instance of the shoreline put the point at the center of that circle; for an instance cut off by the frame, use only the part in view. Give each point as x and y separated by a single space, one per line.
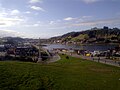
83 44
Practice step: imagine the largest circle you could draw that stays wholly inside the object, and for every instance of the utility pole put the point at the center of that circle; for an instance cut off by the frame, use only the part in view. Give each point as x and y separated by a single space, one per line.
39 55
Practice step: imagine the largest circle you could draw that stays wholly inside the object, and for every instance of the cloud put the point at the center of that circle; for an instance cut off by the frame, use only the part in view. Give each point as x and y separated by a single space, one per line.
78 19
51 22
15 12
6 22
12 33
28 12
68 19
1 23
9 12
11 17
90 1
98 22
35 1
37 8
36 25
86 17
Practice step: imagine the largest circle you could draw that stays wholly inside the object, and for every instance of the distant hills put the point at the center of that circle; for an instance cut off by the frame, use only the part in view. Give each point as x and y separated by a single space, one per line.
19 40
94 35
91 36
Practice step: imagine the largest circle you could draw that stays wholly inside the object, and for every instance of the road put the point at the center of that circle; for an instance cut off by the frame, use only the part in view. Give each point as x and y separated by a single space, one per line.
96 59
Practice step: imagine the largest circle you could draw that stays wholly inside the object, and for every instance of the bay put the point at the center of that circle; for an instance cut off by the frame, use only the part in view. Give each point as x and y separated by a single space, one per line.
94 47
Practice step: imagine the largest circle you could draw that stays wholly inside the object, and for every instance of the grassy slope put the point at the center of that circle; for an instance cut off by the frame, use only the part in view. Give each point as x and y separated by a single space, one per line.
71 74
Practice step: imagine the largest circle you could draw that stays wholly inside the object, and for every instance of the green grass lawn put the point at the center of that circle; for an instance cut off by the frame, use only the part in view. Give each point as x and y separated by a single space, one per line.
65 74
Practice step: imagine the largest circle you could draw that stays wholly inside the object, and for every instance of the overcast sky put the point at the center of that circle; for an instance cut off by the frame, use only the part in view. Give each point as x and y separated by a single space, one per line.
48 18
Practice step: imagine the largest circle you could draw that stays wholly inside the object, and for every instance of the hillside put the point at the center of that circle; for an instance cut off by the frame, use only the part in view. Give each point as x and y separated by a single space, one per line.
94 35
72 74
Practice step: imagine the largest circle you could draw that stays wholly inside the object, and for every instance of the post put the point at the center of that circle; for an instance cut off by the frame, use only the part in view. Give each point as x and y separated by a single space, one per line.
119 63
98 58
39 54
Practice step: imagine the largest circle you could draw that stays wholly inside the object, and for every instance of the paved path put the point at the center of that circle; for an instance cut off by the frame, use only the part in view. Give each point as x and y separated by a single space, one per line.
102 59
55 58
52 59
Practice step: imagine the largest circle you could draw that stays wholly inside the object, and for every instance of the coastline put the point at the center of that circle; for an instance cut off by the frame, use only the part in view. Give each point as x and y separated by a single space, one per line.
84 44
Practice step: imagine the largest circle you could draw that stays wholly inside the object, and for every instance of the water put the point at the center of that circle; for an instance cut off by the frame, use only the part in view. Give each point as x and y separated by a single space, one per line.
103 47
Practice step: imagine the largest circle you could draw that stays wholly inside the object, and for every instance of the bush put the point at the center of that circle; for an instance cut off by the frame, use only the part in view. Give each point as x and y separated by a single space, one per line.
67 57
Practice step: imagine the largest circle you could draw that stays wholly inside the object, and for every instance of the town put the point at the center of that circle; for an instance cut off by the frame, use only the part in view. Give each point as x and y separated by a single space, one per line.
22 51
32 50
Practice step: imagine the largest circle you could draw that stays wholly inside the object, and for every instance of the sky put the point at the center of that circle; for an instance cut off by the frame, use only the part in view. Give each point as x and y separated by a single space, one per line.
49 18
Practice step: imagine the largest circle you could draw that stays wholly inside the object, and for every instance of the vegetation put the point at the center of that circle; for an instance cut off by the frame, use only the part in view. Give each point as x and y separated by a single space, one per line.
66 74
95 35
80 37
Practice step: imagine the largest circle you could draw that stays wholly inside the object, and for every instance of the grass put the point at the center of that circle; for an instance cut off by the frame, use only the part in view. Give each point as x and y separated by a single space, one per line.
65 74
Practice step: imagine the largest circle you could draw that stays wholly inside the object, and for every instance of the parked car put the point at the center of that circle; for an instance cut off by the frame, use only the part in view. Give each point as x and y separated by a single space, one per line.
95 53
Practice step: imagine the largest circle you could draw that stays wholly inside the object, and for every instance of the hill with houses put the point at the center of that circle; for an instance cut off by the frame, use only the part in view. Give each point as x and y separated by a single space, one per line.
92 36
